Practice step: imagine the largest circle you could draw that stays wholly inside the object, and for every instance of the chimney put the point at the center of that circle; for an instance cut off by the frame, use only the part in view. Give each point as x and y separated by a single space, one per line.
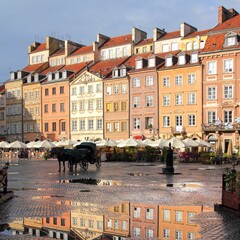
101 38
138 35
225 14
157 33
186 29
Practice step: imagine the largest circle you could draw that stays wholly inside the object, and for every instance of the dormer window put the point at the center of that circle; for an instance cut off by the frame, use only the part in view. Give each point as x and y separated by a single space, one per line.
123 72
230 39
169 61
115 72
181 59
152 62
19 74
29 77
194 57
49 76
36 77
202 43
139 64
12 75
188 46
58 75
64 74
195 45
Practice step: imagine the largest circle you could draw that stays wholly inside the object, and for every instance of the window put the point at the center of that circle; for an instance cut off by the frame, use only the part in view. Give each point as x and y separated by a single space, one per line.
174 46
191 98
37 94
166 121
111 54
228 116
136 82
99 225
149 233
82 124
144 49
151 62
103 53
166 233
124 225
53 91
194 58
178 216
109 223
136 212
62 222
149 214
54 127
46 92
179 99
190 236
211 93
178 235
74 91
81 90
190 215
90 223
109 127
82 222
116 224
99 104
124 51
228 91
181 59
211 116
148 122
166 215
46 127
115 106
74 125
212 67
99 124
116 89
81 105
74 221
109 90
166 81
61 90
63 126
136 232
90 88
90 124
136 102
90 104
98 87
31 95
124 88
149 101
118 53
54 108
123 106
25 128
230 41
191 78
178 80
191 120
108 107
136 123
165 48
169 61
46 108
178 120
149 80
195 45
188 46
123 72
62 107
228 66
74 106
202 43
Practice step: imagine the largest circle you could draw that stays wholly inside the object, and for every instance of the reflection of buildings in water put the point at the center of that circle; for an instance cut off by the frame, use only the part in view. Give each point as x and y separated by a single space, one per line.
118 221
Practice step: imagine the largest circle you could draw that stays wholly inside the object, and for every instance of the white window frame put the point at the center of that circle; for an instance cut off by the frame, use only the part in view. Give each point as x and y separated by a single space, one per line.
228 65
166 81
166 100
191 120
191 78
178 99
166 121
191 98
211 93
228 91
212 68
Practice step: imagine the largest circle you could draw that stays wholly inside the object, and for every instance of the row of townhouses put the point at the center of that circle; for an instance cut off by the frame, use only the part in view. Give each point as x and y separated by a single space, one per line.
180 83
119 222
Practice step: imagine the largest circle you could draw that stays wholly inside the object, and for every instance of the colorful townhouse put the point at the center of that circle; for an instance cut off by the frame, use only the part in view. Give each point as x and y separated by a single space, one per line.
2 114
180 95
221 58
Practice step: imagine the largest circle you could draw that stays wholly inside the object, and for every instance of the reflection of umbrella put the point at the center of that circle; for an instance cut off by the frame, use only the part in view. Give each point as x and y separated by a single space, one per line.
203 143
175 142
43 144
229 150
219 151
191 143
128 143
17 144
4 144
158 143
65 143
109 143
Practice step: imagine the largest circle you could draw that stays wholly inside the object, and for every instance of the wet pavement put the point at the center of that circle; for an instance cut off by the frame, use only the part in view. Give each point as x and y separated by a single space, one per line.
38 186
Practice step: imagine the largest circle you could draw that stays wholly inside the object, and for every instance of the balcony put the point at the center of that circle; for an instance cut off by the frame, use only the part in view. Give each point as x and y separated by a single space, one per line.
227 127
178 130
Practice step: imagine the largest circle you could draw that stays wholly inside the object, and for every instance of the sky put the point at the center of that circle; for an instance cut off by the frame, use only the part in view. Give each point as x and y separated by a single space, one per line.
24 21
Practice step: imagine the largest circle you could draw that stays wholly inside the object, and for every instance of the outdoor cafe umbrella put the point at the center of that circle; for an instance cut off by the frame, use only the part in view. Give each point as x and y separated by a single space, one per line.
158 143
128 143
229 150
175 142
109 143
17 144
219 151
66 143
4 144
203 143
190 142
44 144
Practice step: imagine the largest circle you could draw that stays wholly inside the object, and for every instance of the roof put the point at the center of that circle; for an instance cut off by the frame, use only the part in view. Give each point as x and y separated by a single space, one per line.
34 67
230 23
82 50
197 33
52 69
40 48
145 42
104 68
115 41
170 35
75 68
2 88
60 51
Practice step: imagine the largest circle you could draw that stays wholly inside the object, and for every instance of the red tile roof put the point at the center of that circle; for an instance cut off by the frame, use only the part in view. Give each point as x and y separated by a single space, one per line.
82 50
145 42
131 61
230 23
51 69
60 51
75 68
40 48
170 35
115 41
2 88
105 67
34 67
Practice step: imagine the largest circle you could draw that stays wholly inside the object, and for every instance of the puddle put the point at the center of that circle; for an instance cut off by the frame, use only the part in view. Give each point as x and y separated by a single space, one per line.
13 173
183 185
92 181
138 174
47 197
